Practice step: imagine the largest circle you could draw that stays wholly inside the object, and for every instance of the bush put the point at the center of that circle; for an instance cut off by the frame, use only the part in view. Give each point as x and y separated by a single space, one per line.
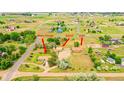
63 64
76 44
90 50
35 78
85 77
22 49
53 59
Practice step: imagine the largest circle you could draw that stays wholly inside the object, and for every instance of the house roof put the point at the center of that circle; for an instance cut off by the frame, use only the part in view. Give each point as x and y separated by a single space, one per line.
122 59
110 59
115 39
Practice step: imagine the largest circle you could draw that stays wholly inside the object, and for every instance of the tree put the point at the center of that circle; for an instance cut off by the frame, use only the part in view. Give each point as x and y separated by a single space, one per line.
107 37
56 40
2 22
35 78
76 44
118 60
15 36
63 64
50 40
22 49
4 64
85 77
122 38
90 50
28 39
53 59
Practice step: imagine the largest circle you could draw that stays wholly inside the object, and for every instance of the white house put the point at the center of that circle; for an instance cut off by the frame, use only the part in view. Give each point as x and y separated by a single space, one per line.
122 61
110 60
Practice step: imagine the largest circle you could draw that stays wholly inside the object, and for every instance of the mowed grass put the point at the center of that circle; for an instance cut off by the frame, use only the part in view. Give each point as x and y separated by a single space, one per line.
30 68
119 51
43 78
114 78
79 62
112 29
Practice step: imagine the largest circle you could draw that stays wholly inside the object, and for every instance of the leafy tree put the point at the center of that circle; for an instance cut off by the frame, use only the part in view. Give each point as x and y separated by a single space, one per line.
22 49
15 36
90 50
28 39
85 77
56 40
63 64
35 78
53 59
118 60
4 64
107 37
50 40
76 44
2 22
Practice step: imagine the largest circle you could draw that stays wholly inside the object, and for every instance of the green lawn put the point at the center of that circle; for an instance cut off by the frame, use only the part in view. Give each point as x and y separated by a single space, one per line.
114 78
30 68
43 78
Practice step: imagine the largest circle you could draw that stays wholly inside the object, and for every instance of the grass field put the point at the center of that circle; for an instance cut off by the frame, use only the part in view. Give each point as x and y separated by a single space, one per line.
30 68
43 78
79 63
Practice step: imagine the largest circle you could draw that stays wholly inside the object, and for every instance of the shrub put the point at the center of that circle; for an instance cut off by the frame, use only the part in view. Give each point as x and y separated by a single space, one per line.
63 64
85 77
76 44
35 78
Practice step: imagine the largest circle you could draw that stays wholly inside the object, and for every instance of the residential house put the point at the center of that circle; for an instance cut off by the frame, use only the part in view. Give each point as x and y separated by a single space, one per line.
122 61
105 45
110 60
115 41
120 24
2 54
11 28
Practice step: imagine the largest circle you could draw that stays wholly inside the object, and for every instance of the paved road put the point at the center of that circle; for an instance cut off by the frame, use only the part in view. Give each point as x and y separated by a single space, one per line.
15 67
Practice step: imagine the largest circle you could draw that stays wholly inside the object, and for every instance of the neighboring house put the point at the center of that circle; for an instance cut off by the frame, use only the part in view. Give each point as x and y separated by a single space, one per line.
59 30
12 20
122 61
105 45
115 40
110 60
28 21
2 54
11 28
120 24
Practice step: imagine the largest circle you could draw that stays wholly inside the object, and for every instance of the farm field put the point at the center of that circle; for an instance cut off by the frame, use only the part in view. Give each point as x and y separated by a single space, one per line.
48 43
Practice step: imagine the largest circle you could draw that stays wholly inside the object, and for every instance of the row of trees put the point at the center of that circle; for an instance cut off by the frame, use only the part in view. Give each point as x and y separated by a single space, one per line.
10 54
93 57
54 40
105 39
23 37
114 56
85 77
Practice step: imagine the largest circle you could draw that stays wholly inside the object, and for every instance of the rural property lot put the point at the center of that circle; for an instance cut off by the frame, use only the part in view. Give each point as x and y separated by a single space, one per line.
61 46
